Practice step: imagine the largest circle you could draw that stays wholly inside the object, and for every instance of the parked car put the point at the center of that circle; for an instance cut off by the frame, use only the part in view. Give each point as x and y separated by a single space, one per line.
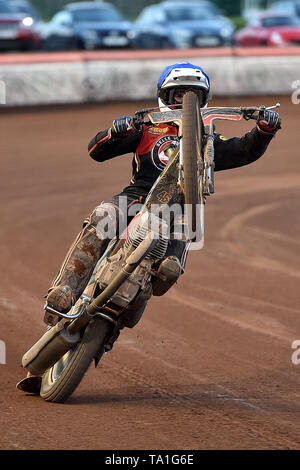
270 29
290 8
17 31
29 11
181 24
25 7
87 25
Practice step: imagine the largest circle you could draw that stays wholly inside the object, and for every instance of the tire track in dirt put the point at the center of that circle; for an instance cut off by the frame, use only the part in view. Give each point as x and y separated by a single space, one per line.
231 231
248 320
259 429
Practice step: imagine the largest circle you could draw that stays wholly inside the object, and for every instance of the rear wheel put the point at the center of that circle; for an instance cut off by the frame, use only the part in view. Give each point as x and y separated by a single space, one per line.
191 151
60 381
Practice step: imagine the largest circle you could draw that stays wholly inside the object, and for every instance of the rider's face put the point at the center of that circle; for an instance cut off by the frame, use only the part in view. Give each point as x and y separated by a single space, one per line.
178 95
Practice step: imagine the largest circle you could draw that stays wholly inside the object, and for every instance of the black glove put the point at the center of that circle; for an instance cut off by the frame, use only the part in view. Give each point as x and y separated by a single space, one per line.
122 126
268 122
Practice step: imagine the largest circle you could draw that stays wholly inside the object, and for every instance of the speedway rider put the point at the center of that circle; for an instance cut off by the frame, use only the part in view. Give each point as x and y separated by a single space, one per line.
147 144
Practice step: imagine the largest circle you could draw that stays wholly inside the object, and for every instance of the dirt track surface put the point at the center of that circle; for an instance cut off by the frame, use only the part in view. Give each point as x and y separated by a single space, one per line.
209 365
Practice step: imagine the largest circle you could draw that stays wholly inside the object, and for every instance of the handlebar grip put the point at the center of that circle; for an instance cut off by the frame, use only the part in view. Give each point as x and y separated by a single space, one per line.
254 117
138 123
250 115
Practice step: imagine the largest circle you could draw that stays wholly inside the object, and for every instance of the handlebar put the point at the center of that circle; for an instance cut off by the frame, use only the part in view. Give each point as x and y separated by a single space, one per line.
250 112
139 116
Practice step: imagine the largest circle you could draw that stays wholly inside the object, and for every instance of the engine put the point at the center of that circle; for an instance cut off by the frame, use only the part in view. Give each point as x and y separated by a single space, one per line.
110 267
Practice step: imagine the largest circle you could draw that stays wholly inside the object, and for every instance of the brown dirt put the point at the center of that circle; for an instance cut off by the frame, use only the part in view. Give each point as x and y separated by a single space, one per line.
209 365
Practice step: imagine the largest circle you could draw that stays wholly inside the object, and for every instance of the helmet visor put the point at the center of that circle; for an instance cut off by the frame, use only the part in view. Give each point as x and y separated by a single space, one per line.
174 96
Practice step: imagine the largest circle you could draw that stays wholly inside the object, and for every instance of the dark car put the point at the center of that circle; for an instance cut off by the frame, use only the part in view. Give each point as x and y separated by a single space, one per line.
181 25
17 31
87 25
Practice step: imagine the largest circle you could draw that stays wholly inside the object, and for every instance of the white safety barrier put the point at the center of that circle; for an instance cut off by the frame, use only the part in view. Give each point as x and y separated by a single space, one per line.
105 80
36 84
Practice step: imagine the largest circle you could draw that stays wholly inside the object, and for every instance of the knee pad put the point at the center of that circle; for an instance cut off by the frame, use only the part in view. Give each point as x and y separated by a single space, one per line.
168 273
105 219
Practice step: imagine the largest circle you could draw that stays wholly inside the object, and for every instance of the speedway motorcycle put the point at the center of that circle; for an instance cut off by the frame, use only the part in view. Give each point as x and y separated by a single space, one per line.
123 279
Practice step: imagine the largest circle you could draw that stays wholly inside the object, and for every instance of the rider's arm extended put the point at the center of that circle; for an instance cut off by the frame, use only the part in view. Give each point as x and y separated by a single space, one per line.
104 146
236 152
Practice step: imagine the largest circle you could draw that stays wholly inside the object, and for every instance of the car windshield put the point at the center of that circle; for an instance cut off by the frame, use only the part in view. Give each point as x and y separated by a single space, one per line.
97 14
25 9
280 21
7 8
188 14
287 7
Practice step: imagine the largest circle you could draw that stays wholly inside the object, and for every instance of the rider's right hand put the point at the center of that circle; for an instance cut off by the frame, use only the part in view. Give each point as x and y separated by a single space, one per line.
122 126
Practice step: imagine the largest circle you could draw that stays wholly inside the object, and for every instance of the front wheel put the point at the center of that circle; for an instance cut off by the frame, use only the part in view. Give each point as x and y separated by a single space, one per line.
60 381
192 129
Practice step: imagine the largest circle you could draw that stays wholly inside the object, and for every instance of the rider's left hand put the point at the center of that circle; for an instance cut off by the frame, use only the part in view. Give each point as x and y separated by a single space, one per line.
268 122
122 126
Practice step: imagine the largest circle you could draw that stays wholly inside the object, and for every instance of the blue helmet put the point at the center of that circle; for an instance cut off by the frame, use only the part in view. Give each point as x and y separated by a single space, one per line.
183 75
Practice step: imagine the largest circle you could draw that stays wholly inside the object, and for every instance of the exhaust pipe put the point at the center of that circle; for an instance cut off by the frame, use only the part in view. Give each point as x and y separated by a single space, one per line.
50 348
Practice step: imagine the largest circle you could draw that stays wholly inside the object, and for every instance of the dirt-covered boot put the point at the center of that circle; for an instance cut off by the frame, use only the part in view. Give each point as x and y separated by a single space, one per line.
60 298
